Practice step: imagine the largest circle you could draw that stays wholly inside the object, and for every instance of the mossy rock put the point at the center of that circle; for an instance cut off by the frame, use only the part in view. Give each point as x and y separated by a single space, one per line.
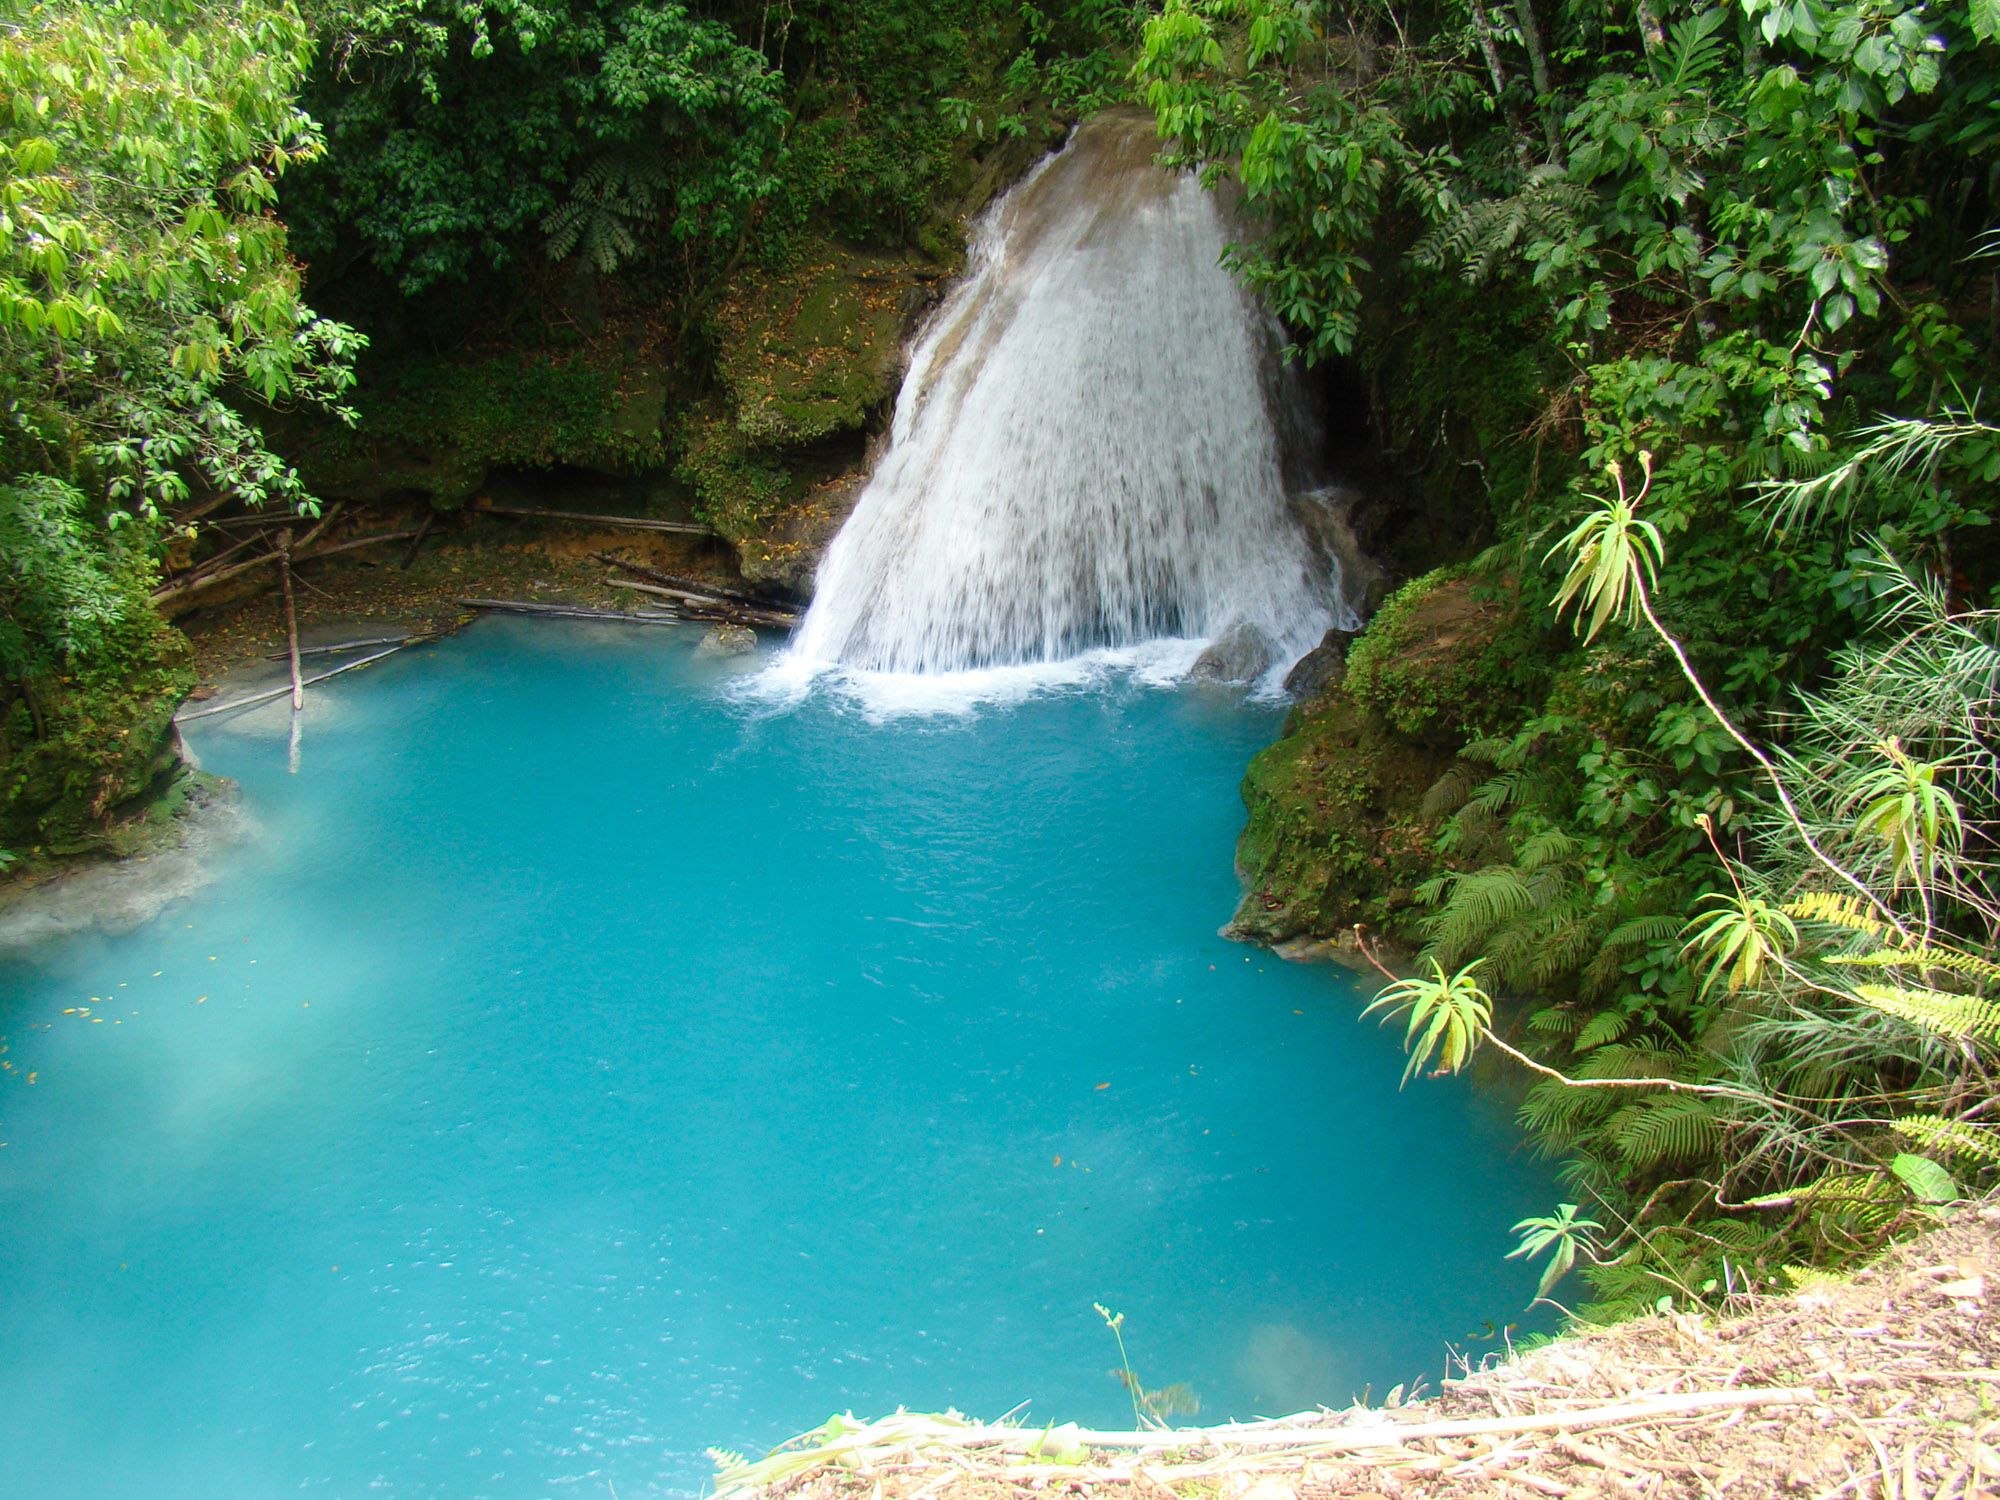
1337 830
816 349
1336 833
1450 656
105 748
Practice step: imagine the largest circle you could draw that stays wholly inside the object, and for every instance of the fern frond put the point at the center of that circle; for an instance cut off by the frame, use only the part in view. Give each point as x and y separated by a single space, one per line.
1836 911
1605 1026
1451 791
1550 846
1640 1058
1962 1140
1475 905
1676 1127
1560 1019
1958 1018
1951 960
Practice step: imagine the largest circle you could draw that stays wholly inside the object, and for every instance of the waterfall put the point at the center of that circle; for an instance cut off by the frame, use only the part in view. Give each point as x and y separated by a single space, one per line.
1089 448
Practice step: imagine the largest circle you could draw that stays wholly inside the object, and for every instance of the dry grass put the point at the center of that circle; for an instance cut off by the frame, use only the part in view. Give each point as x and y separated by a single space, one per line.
1885 1386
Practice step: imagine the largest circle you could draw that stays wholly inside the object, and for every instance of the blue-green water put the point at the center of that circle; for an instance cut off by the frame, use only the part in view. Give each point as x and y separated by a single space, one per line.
581 1065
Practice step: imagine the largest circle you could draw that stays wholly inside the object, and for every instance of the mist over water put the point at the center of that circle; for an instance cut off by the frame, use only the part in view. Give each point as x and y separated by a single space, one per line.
576 1067
1090 448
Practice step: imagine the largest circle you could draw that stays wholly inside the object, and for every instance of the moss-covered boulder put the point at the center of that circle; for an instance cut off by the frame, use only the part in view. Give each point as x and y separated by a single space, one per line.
82 751
1338 831
817 349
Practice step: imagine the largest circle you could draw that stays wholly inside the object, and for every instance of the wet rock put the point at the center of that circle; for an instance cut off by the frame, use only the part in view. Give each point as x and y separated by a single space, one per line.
1242 653
727 641
1327 516
1321 667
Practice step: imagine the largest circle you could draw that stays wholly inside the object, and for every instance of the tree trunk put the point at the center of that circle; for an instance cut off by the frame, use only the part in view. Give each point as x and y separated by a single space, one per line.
1483 29
1652 35
1538 70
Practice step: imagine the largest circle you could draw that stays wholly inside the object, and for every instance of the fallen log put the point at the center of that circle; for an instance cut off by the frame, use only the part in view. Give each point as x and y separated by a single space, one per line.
180 589
675 581
376 640
278 692
566 611
704 607
580 518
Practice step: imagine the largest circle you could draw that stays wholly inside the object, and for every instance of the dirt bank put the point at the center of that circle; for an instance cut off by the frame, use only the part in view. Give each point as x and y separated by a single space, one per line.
1883 1385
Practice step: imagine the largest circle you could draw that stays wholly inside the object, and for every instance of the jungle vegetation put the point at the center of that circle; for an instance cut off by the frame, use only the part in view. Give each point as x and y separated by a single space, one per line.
1704 299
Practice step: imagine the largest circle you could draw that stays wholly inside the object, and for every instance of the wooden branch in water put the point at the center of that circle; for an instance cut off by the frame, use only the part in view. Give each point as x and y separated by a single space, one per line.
580 518
696 585
704 607
279 692
291 617
566 611
376 640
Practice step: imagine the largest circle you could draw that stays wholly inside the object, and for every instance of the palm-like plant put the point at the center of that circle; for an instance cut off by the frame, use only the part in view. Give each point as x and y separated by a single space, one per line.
1740 938
1448 1014
1614 556
1563 1234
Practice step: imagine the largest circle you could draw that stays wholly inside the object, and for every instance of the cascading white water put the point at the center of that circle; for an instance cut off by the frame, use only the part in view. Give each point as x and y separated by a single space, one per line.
1087 449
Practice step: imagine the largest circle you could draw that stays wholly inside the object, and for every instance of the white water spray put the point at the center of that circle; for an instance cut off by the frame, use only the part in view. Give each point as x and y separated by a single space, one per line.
1087 451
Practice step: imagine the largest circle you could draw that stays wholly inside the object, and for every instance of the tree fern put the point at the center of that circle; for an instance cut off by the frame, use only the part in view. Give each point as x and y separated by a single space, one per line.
1664 1128
611 206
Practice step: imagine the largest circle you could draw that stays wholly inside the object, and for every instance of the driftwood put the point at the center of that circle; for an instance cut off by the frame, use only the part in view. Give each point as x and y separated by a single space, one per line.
180 588
579 518
566 611
279 692
704 607
375 640
291 617
694 585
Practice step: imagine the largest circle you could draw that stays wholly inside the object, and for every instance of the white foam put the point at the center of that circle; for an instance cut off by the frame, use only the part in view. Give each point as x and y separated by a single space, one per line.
881 696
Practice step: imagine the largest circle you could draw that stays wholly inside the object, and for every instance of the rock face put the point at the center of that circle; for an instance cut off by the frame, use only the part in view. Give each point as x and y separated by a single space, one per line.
1242 653
724 641
1327 516
1338 830
1323 666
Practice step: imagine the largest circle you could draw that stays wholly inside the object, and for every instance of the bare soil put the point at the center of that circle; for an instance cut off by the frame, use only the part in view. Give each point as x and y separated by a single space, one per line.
1884 1386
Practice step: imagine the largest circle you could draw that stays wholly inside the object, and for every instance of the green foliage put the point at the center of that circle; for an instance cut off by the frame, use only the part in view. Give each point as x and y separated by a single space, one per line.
1563 1235
460 127
1735 836
1443 658
149 309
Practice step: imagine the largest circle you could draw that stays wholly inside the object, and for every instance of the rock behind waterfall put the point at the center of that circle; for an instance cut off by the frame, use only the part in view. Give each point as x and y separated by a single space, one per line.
1242 653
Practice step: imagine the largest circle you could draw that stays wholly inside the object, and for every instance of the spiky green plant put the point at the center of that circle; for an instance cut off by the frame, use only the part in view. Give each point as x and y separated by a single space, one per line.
1447 1016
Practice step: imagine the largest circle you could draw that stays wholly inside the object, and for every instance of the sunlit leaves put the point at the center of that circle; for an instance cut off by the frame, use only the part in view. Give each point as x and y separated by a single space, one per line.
1613 554
1447 1016
1739 938
1563 1236
1899 801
